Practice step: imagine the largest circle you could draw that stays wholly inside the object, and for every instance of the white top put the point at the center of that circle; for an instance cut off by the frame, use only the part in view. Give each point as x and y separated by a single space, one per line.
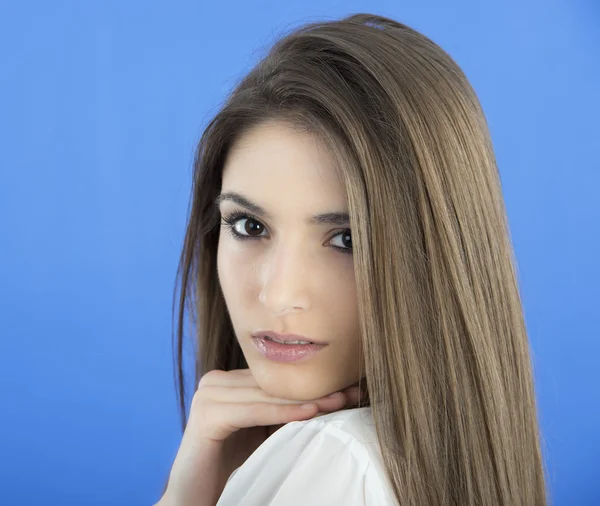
331 459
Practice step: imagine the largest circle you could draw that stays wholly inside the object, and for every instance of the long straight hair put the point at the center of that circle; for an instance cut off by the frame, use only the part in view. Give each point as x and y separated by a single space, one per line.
446 352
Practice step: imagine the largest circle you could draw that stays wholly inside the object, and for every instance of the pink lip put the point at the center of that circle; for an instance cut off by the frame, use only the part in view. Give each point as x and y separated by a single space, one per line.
285 352
285 337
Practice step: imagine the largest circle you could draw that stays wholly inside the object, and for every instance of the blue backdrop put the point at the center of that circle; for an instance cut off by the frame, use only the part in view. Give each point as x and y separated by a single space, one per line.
101 106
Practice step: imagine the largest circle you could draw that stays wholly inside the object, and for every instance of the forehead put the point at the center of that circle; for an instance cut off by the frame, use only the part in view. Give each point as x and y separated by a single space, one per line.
278 165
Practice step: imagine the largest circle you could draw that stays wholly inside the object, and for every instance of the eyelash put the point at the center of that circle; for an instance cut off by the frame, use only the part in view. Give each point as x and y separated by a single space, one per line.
231 219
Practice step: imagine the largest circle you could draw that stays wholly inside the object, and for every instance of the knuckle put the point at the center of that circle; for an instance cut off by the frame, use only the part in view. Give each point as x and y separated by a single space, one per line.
199 401
211 377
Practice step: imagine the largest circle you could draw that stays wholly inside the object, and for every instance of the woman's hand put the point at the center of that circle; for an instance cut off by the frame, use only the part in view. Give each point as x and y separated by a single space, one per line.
231 416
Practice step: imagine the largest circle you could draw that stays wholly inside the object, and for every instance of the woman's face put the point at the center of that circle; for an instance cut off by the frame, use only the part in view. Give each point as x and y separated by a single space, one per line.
289 277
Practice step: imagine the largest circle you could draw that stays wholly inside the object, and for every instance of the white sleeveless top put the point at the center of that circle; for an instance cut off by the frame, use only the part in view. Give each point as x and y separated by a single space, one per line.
330 460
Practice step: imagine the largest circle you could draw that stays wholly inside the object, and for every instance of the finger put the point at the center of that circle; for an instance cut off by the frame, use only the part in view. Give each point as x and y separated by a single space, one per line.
332 402
246 395
241 394
355 395
240 416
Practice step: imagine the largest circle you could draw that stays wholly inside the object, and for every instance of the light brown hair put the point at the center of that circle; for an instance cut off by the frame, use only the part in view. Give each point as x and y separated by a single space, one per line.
447 358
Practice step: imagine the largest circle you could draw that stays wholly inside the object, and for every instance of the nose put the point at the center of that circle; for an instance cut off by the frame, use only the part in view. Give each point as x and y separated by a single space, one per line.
285 280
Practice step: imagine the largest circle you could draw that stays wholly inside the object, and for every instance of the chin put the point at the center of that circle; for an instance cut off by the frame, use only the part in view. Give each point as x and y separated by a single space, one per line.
290 384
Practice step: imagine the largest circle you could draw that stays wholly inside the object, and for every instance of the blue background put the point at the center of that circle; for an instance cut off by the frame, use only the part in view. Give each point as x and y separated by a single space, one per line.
101 106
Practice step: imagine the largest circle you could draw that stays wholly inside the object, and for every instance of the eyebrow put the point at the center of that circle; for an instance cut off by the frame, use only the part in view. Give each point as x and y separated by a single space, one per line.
333 218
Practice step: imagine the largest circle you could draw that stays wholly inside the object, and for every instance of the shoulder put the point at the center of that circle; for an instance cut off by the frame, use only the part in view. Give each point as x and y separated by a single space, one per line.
330 459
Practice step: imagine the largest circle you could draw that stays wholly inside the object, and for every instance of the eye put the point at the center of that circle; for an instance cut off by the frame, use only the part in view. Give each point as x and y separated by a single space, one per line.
248 230
346 240
244 227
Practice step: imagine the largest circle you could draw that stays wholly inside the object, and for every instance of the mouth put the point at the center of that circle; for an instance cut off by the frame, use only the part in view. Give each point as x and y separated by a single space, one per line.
287 339
286 351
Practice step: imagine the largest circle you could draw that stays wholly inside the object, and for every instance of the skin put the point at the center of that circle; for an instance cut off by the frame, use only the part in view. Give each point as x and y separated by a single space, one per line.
291 279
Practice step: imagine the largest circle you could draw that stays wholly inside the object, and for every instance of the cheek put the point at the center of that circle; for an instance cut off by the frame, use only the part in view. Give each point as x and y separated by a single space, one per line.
226 270
344 311
235 271
341 295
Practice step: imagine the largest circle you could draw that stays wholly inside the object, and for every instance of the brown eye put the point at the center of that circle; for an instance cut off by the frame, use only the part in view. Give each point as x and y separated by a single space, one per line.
345 238
251 227
243 226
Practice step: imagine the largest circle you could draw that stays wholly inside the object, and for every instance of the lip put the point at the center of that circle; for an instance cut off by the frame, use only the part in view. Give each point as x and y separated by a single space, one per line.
285 352
286 337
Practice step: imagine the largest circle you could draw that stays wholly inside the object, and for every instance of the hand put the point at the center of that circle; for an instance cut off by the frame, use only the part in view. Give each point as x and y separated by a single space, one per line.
231 416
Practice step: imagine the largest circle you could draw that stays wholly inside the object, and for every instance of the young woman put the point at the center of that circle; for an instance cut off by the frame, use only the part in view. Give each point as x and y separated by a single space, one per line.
348 236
